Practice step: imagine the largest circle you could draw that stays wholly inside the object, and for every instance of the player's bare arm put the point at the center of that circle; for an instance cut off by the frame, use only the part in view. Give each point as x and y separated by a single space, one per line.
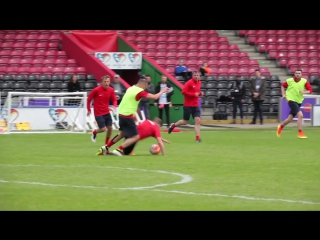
283 92
165 140
160 143
158 95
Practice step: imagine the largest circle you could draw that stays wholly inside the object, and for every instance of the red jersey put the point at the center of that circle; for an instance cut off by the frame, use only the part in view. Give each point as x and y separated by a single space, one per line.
101 98
189 90
140 95
147 129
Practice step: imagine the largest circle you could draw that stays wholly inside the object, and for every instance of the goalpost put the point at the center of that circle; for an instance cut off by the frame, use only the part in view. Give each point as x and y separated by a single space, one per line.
34 112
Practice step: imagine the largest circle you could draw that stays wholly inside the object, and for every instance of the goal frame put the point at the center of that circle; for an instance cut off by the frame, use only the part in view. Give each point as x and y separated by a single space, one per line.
83 105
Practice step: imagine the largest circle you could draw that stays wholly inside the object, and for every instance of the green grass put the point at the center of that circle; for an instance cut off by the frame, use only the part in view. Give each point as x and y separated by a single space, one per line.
230 170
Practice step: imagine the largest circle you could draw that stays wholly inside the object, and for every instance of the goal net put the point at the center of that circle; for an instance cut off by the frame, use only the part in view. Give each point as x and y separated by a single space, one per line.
33 112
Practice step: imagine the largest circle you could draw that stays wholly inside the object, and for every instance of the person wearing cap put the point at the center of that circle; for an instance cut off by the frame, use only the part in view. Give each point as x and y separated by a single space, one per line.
237 92
118 87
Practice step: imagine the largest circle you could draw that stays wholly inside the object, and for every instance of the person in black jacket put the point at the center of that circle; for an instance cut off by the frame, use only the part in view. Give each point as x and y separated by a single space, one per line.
74 86
238 92
164 102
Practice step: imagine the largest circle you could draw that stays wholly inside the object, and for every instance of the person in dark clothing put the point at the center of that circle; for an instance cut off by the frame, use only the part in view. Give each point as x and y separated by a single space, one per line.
238 92
74 86
144 104
164 102
118 87
258 90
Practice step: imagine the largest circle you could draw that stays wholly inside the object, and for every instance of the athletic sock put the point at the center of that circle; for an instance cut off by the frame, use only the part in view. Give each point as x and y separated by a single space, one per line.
281 126
120 148
106 142
197 137
110 143
94 132
300 131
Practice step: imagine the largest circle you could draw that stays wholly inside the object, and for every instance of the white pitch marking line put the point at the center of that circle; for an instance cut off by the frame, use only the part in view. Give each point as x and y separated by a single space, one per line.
150 188
184 178
236 196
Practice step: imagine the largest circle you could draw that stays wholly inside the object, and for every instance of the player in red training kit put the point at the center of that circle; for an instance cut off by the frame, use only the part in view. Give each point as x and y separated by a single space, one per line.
146 129
191 92
101 97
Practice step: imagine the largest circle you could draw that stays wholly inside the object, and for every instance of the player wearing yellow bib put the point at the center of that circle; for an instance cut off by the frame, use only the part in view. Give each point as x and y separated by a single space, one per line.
296 87
127 109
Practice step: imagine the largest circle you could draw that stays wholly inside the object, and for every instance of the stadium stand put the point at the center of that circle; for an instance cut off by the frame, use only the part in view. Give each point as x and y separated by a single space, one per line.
32 60
225 60
35 57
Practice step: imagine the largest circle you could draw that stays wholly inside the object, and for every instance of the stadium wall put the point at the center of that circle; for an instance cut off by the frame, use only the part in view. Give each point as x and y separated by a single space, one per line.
81 47
150 67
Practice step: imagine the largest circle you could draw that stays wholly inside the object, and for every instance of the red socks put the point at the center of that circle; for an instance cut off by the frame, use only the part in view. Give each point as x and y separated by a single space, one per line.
107 141
121 148
300 131
94 132
197 137
109 144
281 126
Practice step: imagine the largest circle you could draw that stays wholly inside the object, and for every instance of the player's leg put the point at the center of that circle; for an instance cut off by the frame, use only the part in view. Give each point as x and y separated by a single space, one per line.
130 132
234 112
260 111
196 114
294 109
147 110
160 112
108 122
101 128
241 110
129 150
299 123
184 121
255 111
105 148
166 109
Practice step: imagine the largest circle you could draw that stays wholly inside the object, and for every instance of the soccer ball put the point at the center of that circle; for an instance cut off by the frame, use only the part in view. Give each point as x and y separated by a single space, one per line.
154 149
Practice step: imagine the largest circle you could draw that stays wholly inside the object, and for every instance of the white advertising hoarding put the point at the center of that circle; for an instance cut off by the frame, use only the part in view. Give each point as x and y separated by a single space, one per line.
120 60
44 118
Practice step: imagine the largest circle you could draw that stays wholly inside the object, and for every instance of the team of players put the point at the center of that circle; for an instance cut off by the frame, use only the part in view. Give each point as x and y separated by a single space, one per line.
132 133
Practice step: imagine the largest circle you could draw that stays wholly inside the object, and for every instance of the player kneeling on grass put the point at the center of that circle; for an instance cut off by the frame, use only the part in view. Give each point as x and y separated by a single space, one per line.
296 87
146 129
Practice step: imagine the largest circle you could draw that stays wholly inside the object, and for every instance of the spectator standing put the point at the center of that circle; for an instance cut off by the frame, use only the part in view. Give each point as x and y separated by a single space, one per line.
238 92
74 86
118 87
164 102
144 104
258 89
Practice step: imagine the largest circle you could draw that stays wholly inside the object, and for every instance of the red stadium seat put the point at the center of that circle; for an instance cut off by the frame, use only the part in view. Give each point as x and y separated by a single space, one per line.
7 46
14 62
42 46
12 70
70 70
26 62
24 70
4 62
59 70
49 62
47 70
80 70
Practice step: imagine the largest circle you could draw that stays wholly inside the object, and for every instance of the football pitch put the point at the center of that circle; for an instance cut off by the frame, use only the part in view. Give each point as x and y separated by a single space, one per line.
229 170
